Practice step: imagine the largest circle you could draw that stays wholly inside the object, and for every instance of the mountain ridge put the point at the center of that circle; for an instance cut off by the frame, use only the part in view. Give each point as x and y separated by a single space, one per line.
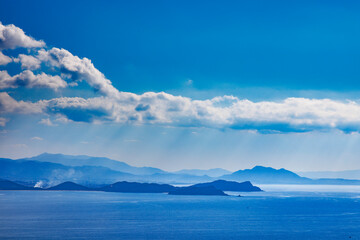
263 175
213 172
84 160
52 168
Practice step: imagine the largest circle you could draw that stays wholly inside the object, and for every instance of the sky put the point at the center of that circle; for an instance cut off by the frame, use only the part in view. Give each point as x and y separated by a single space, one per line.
183 84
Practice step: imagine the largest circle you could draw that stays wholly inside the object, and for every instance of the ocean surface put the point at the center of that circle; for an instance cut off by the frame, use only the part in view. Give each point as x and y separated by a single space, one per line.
282 212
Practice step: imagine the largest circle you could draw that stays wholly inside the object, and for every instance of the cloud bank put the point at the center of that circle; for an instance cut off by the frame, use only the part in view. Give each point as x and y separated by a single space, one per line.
114 106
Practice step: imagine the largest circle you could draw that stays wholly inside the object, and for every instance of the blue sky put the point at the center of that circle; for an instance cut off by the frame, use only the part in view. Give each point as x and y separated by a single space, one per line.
244 82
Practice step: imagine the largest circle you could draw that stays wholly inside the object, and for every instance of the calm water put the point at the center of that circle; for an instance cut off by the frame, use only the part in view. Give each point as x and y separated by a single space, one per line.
279 213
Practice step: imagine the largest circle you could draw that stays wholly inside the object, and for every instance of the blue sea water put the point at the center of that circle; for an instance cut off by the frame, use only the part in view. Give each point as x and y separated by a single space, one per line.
282 212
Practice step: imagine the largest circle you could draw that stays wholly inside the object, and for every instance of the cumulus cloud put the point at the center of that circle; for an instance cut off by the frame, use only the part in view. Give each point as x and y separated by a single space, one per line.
288 115
28 62
78 69
30 80
4 59
13 37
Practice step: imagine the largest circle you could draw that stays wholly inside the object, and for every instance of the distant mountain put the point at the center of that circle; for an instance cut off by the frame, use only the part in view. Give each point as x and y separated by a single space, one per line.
208 190
69 186
135 187
9 185
230 186
51 169
54 173
267 175
147 173
349 174
215 172
83 160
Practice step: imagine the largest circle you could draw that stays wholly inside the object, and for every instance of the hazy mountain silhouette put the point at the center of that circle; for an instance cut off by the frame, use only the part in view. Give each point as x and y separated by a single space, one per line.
83 160
215 172
146 173
40 168
69 186
30 171
268 175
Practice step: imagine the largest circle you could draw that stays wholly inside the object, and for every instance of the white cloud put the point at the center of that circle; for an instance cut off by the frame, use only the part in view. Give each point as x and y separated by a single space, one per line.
4 59
47 122
3 121
30 80
28 62
37 138
61 119
12 37
290 114
10 105
79 69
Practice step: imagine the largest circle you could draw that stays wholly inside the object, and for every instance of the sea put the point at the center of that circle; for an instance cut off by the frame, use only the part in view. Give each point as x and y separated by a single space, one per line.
280 212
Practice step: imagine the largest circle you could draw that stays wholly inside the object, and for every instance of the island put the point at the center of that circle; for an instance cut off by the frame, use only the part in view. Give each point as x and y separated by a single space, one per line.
9 185
231 186
207 190
215 188
135 187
